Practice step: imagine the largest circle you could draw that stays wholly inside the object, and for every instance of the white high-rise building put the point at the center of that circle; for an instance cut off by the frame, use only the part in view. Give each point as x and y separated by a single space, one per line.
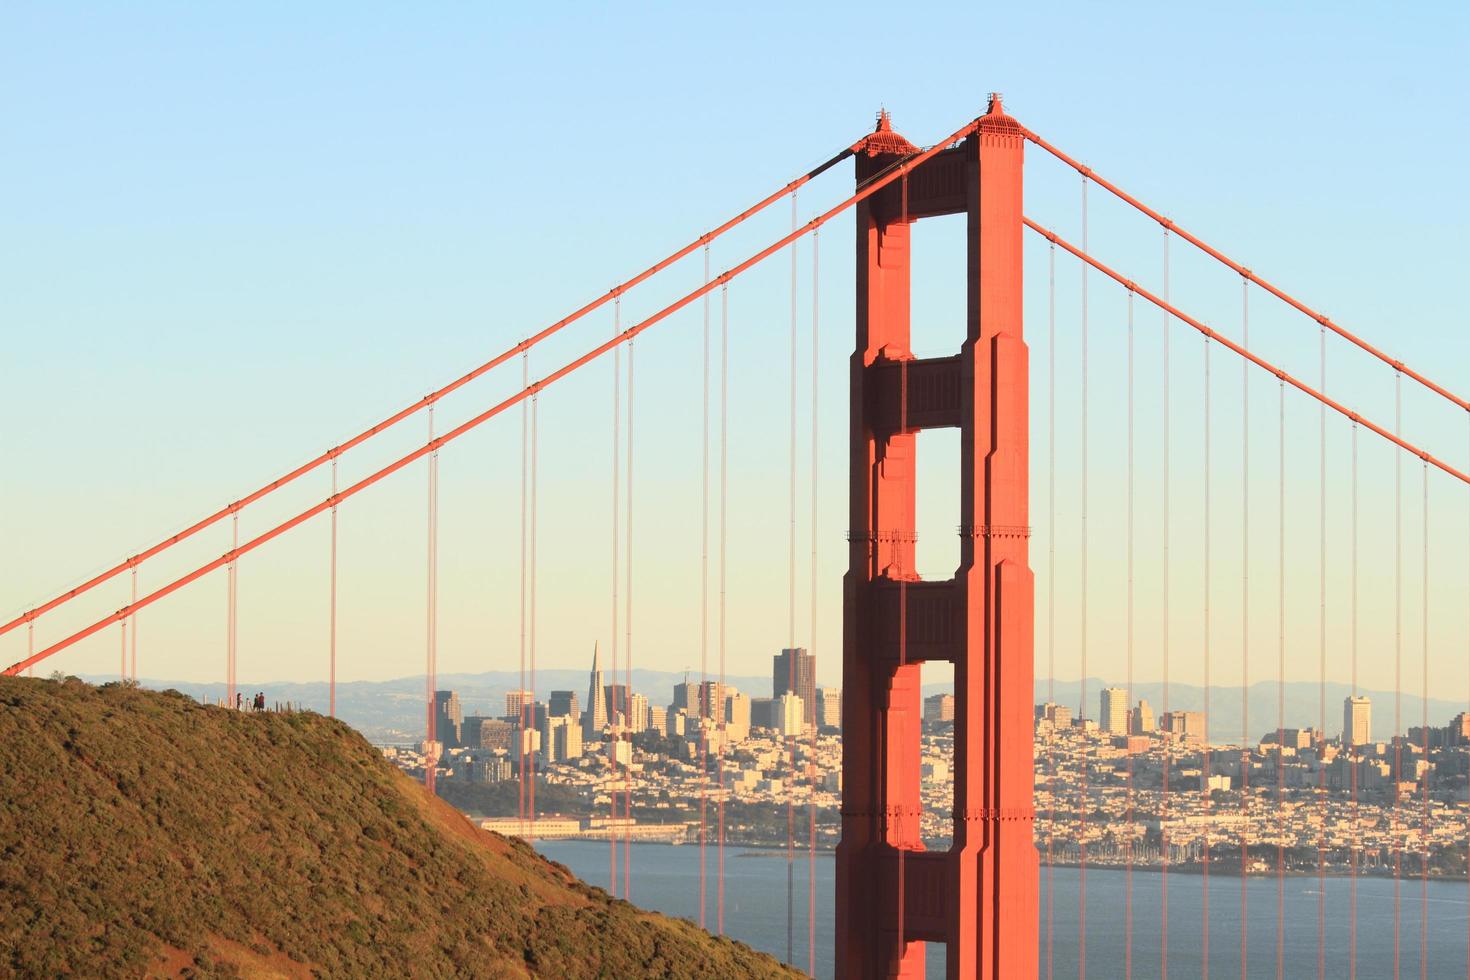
737 715
790 714
1357 721
1113 712
638 712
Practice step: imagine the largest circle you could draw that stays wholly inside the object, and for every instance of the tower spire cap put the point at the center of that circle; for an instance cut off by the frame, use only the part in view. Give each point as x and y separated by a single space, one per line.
883 140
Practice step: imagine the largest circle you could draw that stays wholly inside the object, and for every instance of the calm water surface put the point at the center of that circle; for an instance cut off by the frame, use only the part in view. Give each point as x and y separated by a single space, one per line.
667 879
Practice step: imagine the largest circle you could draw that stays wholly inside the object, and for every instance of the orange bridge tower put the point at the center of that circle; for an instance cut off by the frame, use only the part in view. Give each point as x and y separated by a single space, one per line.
979 898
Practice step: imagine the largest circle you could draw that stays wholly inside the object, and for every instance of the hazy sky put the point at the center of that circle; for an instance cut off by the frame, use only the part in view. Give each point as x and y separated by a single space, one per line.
230 238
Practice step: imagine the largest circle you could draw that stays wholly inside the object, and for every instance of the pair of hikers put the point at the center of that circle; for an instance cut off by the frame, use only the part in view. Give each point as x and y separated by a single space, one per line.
257 703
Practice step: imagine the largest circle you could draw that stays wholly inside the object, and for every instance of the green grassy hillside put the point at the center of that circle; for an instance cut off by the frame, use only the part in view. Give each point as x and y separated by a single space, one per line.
145 834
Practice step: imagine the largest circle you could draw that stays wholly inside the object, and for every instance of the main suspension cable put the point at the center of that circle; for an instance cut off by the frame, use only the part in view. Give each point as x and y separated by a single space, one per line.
1241 270
1255 359
870 188
433 397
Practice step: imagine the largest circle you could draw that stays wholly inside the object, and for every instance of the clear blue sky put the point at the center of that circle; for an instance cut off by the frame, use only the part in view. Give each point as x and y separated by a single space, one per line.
231 237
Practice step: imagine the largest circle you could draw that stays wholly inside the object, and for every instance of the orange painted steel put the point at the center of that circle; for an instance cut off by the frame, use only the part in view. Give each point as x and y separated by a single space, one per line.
1219 256
1260 362
875 185
428 400
978 898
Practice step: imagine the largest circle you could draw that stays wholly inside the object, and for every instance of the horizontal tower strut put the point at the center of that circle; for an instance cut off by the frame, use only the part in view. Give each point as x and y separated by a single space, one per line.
1239 269
428 400
1260 362
877 184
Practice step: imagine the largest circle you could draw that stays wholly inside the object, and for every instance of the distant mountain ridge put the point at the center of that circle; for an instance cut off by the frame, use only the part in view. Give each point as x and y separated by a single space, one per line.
145 834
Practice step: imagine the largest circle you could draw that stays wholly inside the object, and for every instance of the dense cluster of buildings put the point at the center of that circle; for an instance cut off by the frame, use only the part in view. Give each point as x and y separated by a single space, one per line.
1131 785
1128 789
597 732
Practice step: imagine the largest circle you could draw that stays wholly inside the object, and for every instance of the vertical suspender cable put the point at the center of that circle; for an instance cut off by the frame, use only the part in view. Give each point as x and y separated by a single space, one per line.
706 707
1322 668
811 806
1205 773
332 611
1245 615
531 615
1082 707
133 627
1424 734
234 578
122 635
791 599
431 757
1164 603
1051 583
1128 888
1351 738
1280 674
724 472
617 446
521 811
628 650
1398 665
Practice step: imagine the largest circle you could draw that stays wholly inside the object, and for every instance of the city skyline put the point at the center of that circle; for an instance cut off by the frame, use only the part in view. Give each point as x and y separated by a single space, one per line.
234 205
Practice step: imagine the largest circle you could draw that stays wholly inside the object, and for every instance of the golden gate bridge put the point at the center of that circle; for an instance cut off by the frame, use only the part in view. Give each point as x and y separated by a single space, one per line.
981 897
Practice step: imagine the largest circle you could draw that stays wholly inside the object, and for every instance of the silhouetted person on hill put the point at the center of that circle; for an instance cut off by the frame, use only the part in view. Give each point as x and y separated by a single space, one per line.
239 701
260 701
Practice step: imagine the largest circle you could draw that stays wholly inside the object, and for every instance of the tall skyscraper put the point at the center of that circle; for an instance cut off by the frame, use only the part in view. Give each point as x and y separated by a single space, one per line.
447 719
515 702
1113 711
938 708
638 712
617 704
1141 719
737 715
829 707
788 714
594 716
565 703
795 670
1357 721
686 697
